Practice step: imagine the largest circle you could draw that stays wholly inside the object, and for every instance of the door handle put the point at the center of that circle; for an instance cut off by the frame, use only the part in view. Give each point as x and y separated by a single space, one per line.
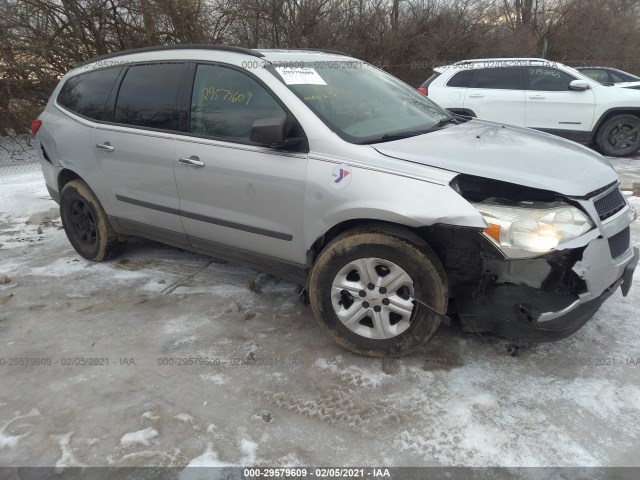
106 146
537 97
475 95
192 161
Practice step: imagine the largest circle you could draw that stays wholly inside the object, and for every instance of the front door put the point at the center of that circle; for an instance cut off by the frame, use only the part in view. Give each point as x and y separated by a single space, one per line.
237 198
550 103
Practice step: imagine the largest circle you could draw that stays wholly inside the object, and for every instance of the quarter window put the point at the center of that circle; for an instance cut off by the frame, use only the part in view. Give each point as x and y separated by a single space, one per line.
548 79
148 96
505 78
225 103
87 94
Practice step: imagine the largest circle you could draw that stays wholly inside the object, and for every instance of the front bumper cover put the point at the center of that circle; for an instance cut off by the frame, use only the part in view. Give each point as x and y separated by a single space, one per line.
513 310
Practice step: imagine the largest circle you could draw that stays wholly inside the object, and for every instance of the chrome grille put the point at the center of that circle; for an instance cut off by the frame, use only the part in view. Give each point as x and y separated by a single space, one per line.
619 243
610 204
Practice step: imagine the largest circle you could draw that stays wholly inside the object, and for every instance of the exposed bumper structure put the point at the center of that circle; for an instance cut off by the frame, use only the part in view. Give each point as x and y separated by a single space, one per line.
521 325
549 297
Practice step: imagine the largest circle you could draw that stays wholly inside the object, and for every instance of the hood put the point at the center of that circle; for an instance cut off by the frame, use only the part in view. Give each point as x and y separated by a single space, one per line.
511 154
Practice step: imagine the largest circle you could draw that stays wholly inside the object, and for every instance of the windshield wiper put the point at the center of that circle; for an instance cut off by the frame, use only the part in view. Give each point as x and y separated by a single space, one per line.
446 121
388 137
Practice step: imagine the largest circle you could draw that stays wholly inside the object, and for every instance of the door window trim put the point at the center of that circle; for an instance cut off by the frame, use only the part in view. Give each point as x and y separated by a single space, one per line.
187 96
527 85
184 104
519 73
118 86
116 83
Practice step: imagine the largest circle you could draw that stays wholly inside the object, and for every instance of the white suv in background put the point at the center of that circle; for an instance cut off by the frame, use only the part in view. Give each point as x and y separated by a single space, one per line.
544 95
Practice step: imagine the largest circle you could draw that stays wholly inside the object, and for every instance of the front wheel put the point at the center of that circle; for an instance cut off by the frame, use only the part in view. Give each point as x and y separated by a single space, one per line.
619 136
363 289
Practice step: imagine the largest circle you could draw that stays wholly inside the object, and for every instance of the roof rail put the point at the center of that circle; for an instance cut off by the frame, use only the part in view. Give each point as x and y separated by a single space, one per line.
223 48
321 50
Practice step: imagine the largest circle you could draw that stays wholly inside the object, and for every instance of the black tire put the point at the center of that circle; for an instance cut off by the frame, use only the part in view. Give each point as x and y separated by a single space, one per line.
619 136
405 250
86 224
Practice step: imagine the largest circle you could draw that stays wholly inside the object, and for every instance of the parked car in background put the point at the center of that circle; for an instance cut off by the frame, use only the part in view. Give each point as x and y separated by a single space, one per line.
608 75
544 95
611 77
323 169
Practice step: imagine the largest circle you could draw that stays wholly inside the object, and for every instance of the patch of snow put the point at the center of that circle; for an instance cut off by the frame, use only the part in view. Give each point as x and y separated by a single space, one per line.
250 449
214 378
67 459
11 441
141 437
184 417
150 416
208 459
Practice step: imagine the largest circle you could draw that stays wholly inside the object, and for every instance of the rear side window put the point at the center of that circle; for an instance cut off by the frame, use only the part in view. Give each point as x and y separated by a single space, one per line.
505 78
548 79
462 79
148 96
87 94
225 103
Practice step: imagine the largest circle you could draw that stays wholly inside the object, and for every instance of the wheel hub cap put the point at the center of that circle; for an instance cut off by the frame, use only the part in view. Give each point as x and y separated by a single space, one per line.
373 298
623 136
83 223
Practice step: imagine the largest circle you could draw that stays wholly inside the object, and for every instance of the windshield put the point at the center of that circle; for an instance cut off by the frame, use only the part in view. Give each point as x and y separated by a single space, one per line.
361 103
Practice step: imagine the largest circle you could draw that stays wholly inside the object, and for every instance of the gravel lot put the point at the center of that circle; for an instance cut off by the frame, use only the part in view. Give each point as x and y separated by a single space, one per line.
275 390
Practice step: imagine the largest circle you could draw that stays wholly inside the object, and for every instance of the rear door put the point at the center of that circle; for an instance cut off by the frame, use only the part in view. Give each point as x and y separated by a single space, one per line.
237 198
135 153
451 95
550 103
497 94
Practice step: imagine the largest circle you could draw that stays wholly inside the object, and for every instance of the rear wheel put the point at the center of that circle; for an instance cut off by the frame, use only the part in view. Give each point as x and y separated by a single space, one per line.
86 224
363 288
619 136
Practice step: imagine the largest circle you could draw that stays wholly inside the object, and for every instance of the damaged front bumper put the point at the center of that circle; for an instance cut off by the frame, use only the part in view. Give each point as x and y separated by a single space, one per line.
549 297
513 311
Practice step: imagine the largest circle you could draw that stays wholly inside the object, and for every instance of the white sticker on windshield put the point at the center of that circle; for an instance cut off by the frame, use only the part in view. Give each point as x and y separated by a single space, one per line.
300 76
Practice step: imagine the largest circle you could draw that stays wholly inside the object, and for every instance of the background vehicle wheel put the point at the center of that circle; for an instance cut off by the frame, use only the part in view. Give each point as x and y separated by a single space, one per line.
362 289
619 136
86 225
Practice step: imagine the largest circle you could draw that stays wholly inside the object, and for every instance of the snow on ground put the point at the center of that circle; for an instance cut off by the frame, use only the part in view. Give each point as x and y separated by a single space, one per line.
162 357
141 437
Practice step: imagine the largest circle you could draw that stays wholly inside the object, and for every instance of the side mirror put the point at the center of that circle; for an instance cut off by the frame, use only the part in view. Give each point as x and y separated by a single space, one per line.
579 85
272 132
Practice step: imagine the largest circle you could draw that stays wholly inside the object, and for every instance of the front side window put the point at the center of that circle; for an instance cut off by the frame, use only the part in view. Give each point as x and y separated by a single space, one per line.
505 78
226 102
548 79
361 103
87 94
148 96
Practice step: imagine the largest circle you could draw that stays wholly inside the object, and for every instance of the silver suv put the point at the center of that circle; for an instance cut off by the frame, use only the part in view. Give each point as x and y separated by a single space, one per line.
392 215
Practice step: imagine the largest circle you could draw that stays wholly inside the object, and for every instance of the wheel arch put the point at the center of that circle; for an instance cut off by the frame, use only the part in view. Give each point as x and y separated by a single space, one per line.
429 234
612 112
65 176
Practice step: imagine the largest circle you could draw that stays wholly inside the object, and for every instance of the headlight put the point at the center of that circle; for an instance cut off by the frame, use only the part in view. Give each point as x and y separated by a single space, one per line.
521 231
